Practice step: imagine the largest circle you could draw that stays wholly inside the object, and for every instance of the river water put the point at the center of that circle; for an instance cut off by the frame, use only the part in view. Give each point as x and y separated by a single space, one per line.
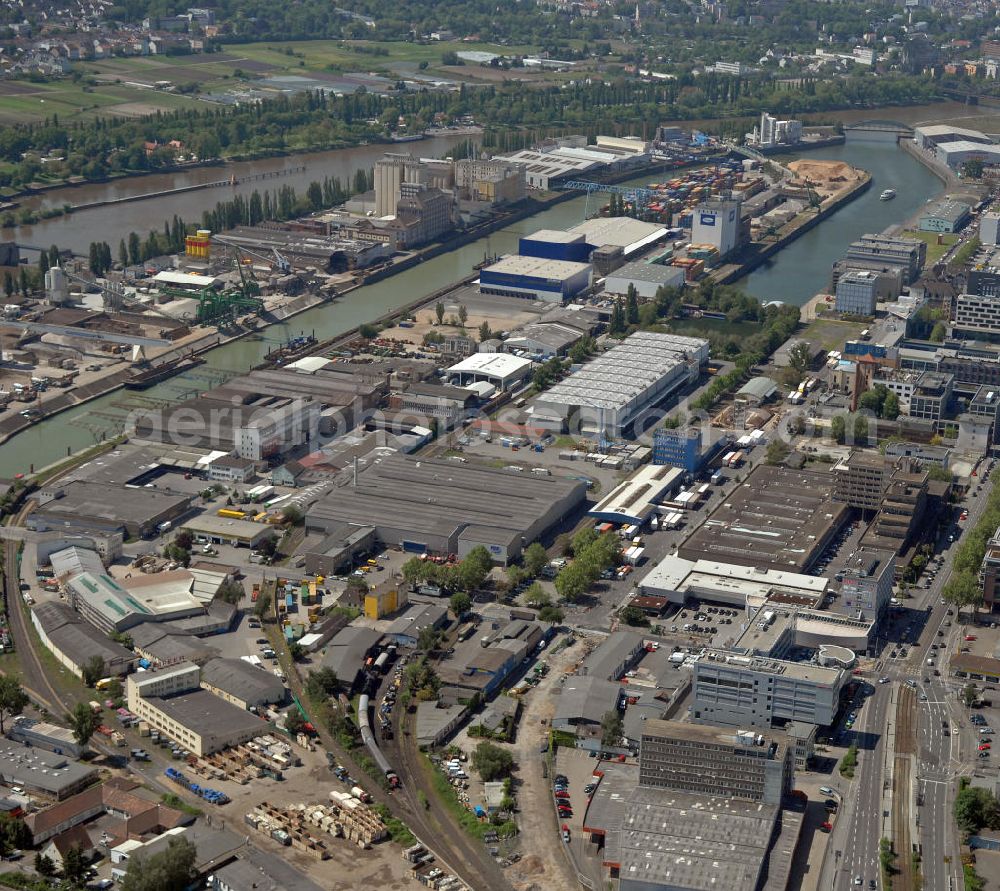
802 269
795 275
111 224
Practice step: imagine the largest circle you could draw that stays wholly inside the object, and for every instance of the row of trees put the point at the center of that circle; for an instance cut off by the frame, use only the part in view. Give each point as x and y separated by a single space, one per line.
465 576
963 588
592 555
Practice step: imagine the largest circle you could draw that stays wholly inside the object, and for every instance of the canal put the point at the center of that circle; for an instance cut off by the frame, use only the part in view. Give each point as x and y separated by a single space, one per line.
802 269
795 275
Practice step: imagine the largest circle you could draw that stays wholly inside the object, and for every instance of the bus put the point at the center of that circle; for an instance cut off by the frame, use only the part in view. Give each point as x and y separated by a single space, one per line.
104 683
231 514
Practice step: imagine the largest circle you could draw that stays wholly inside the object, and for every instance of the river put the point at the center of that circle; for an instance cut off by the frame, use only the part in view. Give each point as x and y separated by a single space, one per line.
795 275
111 224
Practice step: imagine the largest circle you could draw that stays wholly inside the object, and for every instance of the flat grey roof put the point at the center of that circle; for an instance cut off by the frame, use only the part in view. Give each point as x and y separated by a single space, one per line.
586 698
639 271
119 504
243 680
207 714
536 267
612 653
38 769
778 518
692 841
442 497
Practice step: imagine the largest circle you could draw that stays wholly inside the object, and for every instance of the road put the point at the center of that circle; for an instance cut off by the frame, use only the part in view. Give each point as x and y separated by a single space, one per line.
939 757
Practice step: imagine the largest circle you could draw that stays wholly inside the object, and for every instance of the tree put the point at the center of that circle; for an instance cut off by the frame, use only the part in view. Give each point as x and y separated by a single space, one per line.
799 359
262 608
463 313
969 695
535 559
321 683
428 639
368 331
491 762
550 613
44 866
777 451
632 615
611 728
975 808
536 596
83 722
838 427
460 603
169 870
938 332
230 591
294 722
93 670
485 333
439 311
13 699
632 306
962 589
74 866
617 323
890 408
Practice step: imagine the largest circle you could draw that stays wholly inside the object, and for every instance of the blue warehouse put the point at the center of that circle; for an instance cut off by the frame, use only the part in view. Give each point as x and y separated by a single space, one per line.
534 278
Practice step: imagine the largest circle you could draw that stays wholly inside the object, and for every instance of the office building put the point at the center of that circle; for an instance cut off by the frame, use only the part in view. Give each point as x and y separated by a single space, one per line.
533 278
901 515
172 701
944 216
759 691
620 387
860 480
685 448
931 396
976 316
908 254
989 572
857 292
866 589
718 763
717 222
989 228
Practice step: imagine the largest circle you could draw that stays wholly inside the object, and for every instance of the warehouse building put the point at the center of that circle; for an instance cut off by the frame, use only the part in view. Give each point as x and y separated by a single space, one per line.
347 651
534 278
583 702
543 340
646 278
553 244
222 530
110 607
617 654
636 499
933 135
172 701
441 506
241 683
85 505
632 236
778 519
502 370
47 773
405 630
957 153
75 642
618 389
944 216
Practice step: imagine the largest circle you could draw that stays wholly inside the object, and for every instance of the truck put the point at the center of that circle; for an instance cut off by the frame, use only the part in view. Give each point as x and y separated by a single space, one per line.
360 794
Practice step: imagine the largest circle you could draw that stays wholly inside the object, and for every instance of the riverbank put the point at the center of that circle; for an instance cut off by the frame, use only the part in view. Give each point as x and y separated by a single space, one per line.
762 253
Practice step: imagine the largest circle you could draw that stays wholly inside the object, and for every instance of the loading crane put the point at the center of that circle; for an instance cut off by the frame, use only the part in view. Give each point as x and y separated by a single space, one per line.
276 259
113 294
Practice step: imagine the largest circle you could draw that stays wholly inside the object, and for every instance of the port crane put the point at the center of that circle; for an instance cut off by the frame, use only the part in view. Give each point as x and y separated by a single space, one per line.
278 261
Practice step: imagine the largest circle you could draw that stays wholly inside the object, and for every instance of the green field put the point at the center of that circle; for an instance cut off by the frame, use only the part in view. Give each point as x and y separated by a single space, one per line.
127 86
831 333
935 251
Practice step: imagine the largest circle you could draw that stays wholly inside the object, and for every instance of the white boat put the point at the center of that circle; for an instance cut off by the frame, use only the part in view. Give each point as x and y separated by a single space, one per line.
887 195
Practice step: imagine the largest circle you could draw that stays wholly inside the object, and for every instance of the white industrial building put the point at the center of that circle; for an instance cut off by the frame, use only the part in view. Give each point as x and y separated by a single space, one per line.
955 154
632 236
935 134
646 278
989 228
636 499
622 385
717 222
502 370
